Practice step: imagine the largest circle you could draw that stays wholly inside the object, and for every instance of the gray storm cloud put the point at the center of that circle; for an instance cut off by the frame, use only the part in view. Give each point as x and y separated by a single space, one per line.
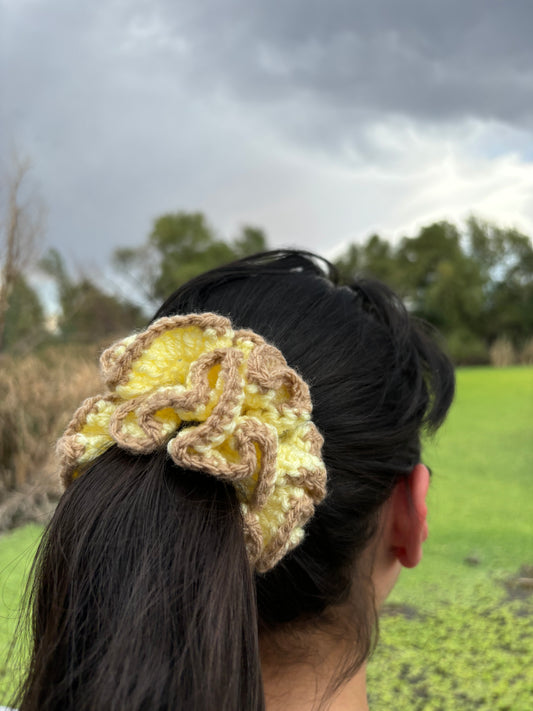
428 59
302 116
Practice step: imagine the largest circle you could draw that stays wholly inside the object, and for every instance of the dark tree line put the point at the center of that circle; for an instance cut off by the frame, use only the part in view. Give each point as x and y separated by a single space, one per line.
180 246
473 282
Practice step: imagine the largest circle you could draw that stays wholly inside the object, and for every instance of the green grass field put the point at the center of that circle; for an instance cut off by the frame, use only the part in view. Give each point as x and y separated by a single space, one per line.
457 633
16 552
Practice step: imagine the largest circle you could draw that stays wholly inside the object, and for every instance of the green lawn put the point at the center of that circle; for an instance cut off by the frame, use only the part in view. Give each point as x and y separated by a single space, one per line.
16 552
457 633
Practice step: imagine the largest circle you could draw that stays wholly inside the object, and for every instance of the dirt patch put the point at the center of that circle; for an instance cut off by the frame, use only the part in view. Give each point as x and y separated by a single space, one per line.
520 585
396 609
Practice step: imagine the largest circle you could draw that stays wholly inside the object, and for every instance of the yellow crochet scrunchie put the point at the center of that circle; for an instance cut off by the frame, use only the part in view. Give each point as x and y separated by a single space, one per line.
223 402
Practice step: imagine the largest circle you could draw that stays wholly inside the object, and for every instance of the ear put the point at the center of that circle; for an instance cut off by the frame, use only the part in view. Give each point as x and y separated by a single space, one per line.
409 517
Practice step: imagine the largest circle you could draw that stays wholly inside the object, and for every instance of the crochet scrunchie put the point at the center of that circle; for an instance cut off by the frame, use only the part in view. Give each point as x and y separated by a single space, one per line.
223 402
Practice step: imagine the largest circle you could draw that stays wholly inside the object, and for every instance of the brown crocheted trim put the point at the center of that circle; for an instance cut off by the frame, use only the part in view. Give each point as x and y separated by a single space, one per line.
247 417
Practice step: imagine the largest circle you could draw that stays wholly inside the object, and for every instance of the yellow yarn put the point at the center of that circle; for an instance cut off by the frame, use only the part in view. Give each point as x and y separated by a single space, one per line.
250 418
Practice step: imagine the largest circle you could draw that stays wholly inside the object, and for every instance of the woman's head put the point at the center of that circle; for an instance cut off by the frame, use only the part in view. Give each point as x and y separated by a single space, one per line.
140 524
378 381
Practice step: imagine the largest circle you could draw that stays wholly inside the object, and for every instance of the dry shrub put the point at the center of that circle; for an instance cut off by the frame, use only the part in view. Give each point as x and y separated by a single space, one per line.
526 353
31 502
502 353
465 348
38 394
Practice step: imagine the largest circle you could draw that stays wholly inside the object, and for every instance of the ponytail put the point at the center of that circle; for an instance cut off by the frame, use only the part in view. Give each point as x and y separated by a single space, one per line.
143 596
198 464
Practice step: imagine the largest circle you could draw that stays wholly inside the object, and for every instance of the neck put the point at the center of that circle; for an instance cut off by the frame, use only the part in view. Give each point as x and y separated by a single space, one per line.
304 685
301 692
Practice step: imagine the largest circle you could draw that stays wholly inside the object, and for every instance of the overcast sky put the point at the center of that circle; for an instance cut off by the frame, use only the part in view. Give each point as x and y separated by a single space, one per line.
320 121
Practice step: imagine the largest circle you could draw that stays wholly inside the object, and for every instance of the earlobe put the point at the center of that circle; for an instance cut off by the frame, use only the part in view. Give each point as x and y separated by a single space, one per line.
410 528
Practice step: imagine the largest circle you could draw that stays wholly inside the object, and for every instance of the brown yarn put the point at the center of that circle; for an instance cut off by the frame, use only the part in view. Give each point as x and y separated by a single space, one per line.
236 411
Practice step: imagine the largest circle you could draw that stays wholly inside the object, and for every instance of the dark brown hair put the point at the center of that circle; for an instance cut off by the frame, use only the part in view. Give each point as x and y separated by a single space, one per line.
143 597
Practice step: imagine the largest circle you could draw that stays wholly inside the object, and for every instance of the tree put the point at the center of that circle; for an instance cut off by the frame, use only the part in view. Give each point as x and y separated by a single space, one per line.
349 264
89 314
24 318
180 246
505 257
252 240
444 283
475 284
21 224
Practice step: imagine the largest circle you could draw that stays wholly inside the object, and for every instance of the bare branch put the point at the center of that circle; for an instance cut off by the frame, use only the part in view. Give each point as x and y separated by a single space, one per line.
21 227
